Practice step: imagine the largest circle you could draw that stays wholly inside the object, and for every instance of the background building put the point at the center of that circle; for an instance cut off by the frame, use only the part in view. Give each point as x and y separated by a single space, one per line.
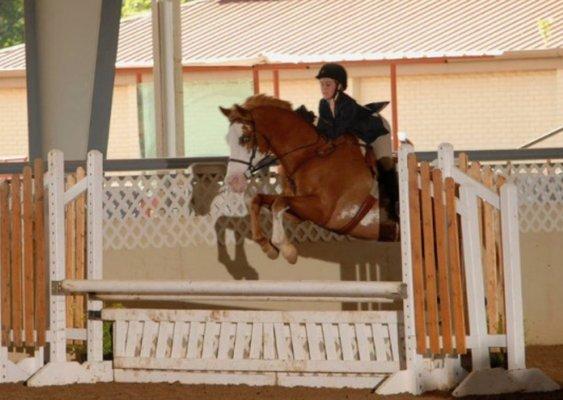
480 80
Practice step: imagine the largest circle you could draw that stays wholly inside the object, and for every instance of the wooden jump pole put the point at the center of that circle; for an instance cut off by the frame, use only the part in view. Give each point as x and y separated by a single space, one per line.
389 290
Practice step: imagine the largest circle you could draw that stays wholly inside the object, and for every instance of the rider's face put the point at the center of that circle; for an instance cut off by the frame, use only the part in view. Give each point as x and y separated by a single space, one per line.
328 87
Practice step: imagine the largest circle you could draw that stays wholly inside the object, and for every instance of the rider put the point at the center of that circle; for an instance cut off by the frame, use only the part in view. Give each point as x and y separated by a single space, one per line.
339 113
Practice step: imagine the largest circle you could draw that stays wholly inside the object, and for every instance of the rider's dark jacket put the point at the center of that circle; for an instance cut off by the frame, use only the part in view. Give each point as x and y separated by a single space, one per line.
349 117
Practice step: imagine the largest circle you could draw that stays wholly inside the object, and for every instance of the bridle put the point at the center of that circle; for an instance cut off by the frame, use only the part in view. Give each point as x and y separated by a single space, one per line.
251 169
269 158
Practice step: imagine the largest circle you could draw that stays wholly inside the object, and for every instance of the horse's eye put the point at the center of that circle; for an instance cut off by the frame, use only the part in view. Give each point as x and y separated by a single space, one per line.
244 139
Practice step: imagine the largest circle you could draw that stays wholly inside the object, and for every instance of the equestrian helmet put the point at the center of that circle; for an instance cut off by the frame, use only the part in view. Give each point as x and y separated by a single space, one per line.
334 71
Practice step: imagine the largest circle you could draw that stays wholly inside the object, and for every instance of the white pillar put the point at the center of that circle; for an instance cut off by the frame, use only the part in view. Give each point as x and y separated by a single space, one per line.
446 161
57 302
512 277
477 311
95 251
167 56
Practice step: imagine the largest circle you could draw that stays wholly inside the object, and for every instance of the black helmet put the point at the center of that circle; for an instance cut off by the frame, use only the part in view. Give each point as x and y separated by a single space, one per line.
334 71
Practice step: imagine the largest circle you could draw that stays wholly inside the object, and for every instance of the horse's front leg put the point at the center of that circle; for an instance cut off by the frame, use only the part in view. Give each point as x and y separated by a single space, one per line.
284 182
279 238
308 207
257 233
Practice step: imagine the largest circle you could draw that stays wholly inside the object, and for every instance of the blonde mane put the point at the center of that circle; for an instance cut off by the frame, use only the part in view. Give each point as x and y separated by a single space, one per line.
259 100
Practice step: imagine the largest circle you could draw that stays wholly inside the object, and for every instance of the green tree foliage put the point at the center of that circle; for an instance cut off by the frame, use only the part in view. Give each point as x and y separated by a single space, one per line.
12 18
11 23
132 7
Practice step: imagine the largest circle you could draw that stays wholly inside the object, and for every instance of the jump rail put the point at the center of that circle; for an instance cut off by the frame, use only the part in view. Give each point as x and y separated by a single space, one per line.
303 289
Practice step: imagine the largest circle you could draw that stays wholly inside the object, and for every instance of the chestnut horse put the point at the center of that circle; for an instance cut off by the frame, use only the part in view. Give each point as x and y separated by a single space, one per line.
329 181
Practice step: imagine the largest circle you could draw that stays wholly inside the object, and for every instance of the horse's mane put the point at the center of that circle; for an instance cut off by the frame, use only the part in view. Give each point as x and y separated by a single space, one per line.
259 100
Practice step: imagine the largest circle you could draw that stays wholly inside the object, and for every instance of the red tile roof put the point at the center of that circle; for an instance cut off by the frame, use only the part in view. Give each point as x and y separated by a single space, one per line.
246 32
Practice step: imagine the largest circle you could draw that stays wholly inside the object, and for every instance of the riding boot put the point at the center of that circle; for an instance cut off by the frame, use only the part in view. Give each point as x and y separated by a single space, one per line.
370 159
388 179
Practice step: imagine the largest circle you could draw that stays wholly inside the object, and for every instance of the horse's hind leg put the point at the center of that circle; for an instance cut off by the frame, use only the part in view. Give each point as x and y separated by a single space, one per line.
257 233
279 238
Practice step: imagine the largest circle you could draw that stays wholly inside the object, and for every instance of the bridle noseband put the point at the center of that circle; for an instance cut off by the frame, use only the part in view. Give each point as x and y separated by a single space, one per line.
251 169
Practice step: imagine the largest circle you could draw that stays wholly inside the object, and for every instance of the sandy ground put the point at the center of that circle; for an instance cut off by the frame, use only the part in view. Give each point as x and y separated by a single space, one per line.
548 358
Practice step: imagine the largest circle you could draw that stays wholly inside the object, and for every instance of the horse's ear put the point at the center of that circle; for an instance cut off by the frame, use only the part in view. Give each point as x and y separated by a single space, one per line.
226 111
243 112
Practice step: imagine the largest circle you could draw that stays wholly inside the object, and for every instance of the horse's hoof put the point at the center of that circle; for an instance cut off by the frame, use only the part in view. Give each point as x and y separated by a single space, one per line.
289 252
267 247
271 251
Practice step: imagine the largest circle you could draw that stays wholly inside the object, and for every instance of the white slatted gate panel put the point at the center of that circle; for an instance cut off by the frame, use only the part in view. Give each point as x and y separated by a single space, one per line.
289 348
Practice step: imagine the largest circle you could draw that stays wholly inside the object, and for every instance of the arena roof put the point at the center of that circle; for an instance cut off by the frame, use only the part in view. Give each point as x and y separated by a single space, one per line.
250 32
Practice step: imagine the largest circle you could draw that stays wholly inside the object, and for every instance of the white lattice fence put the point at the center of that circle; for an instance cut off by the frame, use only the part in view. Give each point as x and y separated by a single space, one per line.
540 194
181 208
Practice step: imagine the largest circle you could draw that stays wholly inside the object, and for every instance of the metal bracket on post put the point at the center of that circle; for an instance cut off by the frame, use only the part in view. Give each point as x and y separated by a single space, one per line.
57 288
95 315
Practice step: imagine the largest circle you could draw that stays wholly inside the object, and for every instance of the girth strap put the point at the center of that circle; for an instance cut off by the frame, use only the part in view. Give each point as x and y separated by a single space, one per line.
364 208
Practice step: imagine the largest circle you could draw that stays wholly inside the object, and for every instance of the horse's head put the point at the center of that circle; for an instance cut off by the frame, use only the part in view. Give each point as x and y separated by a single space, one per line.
245 147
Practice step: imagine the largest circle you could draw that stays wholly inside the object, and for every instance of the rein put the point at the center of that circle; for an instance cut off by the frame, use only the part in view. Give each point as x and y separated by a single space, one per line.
269 159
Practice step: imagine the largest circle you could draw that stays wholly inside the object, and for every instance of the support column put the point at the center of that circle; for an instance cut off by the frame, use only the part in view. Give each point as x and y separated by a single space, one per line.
61 52
394 107
256 79
559 99
168 83
276 78
35 141
108 33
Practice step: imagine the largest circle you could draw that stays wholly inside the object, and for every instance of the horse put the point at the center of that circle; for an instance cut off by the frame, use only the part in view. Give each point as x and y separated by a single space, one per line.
329 182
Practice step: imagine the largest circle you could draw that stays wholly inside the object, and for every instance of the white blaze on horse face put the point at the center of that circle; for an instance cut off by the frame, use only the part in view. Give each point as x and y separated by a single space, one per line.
235 170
